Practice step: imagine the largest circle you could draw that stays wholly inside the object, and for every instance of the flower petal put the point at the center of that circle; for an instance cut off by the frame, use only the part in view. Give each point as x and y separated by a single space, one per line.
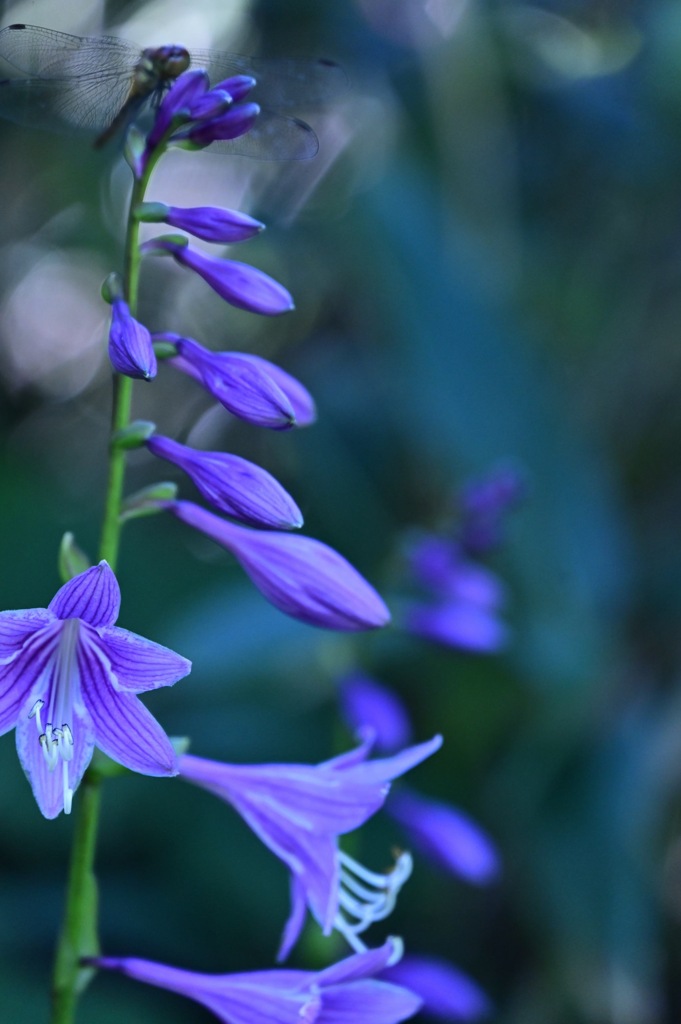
140 664
361 965
93 596
18 677
300 398
368 1002
48 785
124 729
296 919
17 626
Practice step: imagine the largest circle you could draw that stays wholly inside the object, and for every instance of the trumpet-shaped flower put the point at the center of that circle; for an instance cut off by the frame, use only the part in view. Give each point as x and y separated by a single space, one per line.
232 484
300 576
68 682
211 223
299 811
446 835
345 993
247 385
239 284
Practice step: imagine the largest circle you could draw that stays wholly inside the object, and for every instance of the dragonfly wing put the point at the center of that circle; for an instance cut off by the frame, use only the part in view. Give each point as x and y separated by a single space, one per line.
273 137
63 105
45 53
281 82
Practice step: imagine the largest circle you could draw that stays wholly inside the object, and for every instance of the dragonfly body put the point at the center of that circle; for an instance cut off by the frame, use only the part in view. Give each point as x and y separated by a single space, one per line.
94 84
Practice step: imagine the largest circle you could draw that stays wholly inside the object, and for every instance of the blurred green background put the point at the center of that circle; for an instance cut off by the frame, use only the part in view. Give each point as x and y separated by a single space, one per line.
486 261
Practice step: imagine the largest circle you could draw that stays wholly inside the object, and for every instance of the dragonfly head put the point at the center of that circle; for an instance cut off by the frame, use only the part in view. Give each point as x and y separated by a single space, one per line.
163 63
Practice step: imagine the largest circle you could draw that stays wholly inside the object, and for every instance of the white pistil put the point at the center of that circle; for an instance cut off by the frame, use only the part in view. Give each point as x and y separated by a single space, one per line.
365 896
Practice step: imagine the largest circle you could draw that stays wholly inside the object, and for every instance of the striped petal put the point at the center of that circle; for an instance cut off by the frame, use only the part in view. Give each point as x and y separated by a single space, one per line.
16 627
93 596
25 674
140 664
124 729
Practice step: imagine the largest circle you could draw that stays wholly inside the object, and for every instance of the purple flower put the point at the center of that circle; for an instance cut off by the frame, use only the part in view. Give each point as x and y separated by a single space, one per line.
239 284
177 103
299 811
301 576
130 349
465 599
446 835
230 125
232 484
213 224
249 387
485 504
345 993
369 706
68 679
447 993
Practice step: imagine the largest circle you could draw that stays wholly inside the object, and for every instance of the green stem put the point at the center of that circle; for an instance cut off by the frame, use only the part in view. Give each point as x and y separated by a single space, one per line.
78 936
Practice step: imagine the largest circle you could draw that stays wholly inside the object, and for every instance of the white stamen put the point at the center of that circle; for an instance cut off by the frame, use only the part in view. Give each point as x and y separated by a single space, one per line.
35 713
362 904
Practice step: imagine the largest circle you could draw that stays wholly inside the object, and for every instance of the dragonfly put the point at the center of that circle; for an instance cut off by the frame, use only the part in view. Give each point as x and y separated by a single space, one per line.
97 84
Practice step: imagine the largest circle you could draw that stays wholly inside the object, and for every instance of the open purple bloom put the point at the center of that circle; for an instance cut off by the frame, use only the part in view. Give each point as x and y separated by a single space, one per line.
446 835
239 284
213 224
232 484
245 385
299 811
130 349
447 993
68 679
345 993
302 577
369 706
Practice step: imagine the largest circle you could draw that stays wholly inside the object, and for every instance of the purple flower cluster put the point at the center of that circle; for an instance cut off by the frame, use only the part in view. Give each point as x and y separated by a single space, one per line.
301 576
463 600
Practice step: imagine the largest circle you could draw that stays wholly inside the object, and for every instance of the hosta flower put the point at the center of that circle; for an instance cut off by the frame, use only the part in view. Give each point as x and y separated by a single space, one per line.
300 576
68 682
247 385
464 603
299 811
239 284
211 223
345 993
232 484
130 348
445 835
448 994
372 709
484 505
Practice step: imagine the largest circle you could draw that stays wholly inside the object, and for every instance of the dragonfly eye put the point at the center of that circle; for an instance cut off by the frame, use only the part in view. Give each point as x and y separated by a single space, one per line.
173 60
